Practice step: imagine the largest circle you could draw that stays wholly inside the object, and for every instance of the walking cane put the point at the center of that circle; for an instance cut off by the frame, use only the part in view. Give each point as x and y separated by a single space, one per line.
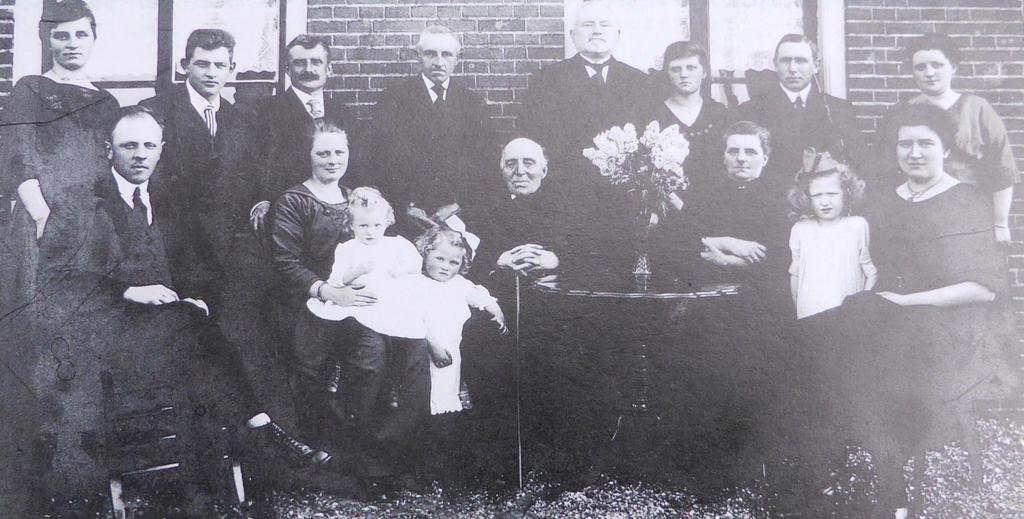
519 429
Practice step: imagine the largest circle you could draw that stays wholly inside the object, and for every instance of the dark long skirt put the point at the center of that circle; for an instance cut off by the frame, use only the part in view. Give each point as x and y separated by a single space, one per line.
907 379
377 439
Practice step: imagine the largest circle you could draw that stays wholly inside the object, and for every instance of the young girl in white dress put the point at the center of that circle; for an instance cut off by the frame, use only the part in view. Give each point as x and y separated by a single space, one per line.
830 246
447 297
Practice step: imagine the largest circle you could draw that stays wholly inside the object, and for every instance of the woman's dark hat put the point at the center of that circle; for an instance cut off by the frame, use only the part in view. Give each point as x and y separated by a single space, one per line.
61 11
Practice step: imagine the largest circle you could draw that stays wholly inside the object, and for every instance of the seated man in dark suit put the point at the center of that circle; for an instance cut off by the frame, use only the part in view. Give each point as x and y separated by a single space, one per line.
205 165
521 227
109 291
284 123
431 135
572 101
799 115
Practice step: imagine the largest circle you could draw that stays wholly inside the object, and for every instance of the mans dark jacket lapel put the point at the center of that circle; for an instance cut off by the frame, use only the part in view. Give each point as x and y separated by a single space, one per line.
199 185
430 155
92 259
282 134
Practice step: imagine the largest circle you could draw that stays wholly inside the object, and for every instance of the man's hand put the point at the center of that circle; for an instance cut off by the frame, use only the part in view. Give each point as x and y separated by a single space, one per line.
348 295
528 258
150 295
258 216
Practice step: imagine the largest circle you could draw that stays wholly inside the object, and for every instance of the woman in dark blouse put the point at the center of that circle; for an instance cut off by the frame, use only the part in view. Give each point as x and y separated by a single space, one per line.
307 222
681 102
53 130
910 362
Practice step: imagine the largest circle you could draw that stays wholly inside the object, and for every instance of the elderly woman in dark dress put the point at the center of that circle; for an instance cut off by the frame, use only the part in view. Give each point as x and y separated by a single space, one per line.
909 363
736 386
54 128
307 223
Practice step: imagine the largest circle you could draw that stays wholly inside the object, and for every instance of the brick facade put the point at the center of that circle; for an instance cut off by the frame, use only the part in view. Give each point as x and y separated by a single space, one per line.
502 43
6 46
505 40
991 34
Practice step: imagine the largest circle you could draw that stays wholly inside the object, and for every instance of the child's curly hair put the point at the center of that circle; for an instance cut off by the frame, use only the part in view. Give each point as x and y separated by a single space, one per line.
800 200
368 198
430 240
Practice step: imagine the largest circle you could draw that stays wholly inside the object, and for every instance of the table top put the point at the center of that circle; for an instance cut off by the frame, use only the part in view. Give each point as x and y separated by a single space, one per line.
627 289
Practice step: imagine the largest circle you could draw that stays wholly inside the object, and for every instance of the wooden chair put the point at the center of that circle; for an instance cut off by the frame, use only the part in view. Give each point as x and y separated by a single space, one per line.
147 432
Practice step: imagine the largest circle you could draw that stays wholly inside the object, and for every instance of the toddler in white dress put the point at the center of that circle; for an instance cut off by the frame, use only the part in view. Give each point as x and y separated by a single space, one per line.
446 297
831 257
377 262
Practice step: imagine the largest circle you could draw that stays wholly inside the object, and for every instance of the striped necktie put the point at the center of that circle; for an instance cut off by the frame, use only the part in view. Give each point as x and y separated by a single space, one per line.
211 120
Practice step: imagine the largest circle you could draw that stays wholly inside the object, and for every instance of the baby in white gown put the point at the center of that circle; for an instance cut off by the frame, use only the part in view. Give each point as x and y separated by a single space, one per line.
379 262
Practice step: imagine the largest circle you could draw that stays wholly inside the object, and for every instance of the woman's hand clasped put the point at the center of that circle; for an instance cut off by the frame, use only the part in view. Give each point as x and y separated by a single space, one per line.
348 295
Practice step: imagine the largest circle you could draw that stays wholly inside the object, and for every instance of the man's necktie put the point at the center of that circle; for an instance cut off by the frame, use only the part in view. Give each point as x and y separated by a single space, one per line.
598 76
211 120
439 90
316 111
798 103
139 210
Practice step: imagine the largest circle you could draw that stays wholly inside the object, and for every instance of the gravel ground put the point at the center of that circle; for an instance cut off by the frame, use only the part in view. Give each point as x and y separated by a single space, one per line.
945 491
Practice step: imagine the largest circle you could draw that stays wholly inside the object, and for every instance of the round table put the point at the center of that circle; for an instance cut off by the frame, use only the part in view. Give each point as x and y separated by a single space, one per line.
601 332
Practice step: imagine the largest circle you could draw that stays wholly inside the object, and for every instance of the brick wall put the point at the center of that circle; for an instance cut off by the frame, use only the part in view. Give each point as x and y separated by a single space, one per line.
502 43
991 33
6 46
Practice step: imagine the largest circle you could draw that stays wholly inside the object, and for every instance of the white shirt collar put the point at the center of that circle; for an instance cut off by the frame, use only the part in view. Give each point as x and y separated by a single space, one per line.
591 67
430 87
127 191
306 98
792 95
199 102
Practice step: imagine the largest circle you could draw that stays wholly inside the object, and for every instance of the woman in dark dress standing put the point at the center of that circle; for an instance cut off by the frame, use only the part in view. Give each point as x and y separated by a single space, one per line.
680 101
307 223
910 362
683 74
54 130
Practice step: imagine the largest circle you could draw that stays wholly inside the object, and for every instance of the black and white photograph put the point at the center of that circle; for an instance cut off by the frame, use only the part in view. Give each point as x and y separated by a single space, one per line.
732 259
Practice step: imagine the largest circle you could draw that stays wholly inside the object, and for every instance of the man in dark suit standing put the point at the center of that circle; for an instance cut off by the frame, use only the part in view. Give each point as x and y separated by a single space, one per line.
431 135
571 101
206 159
799 115
284 123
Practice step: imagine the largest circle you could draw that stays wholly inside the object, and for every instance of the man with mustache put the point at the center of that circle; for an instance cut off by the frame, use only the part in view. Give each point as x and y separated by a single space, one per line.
285 121
431 136
799 115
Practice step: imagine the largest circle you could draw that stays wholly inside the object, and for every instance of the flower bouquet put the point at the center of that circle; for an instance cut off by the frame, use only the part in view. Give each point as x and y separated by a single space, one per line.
650 168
